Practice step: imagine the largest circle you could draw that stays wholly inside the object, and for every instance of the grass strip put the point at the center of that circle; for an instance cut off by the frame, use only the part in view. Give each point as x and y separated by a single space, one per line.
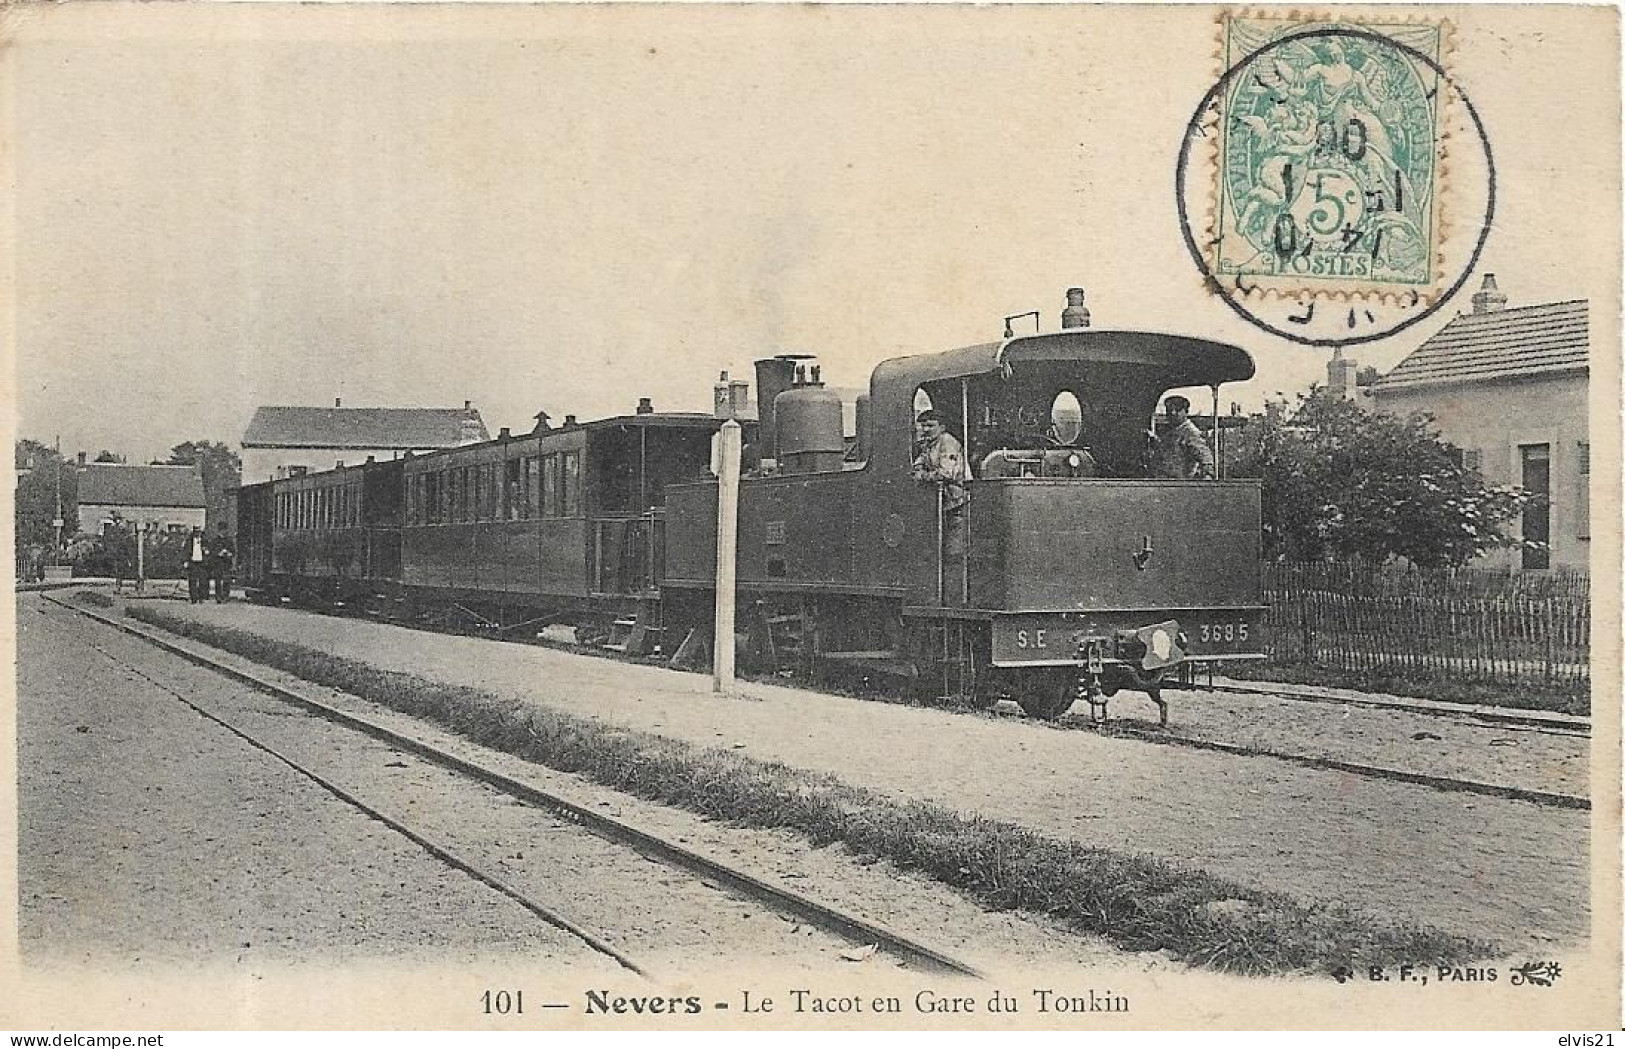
1138 902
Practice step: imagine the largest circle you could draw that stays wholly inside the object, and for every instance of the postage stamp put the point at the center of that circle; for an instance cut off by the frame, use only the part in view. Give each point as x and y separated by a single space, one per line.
1326 144
1329 154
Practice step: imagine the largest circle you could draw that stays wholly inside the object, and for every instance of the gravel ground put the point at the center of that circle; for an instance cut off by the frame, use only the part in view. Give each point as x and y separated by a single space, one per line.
1503 755
665 919
148 836
1508 870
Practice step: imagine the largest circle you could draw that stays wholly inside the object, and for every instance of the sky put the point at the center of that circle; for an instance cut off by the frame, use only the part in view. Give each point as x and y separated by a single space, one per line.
569 208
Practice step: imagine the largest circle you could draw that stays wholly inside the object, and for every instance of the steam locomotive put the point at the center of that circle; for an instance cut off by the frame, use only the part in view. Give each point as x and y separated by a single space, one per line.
1072 573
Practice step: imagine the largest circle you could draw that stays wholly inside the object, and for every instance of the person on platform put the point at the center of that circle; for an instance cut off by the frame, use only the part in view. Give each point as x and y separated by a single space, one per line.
220 568
197 566
1181 452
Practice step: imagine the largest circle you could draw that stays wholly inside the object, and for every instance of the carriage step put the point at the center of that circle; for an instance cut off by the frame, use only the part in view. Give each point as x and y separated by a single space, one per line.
615 646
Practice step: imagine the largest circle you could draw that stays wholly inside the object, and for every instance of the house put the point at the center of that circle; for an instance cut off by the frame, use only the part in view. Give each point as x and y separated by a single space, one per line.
289 441
169 498
1509 387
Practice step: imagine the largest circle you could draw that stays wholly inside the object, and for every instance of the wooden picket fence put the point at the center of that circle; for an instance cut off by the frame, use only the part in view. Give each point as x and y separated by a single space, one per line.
1469 624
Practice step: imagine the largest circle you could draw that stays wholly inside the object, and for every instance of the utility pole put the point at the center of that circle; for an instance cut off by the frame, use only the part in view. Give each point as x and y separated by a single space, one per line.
57 522
722 633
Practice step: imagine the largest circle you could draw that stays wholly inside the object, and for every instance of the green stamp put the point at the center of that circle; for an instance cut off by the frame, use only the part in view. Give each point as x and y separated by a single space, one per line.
1330 148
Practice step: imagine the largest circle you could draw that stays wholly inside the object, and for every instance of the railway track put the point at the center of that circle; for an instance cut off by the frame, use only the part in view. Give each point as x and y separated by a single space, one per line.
1528 722
1533 722
861 932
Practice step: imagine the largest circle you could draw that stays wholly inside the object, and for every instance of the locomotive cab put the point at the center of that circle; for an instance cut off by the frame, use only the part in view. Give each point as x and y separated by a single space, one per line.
1082 566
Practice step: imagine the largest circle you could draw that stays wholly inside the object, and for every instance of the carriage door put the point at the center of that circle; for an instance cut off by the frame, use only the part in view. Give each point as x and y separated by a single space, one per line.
1537 515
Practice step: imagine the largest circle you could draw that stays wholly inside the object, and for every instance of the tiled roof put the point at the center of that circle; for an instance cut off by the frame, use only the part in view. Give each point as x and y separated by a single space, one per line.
402 428
114 484
1502 344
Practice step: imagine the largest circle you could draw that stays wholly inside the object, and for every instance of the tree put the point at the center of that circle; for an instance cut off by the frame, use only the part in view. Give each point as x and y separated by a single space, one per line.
105 456
222 471
39 467
1340 481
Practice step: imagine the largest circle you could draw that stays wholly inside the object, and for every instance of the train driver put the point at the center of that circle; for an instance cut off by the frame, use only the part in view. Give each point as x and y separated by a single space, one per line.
940 459
1181 452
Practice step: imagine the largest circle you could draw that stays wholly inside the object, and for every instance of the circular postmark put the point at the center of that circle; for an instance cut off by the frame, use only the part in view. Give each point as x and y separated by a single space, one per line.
1335 186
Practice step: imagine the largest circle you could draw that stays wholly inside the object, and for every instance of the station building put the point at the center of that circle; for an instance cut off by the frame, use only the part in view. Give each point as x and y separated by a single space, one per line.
287 441
1510 388
168 498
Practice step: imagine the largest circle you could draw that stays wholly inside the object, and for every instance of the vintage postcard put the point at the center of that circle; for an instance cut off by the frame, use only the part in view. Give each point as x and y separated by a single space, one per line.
793 518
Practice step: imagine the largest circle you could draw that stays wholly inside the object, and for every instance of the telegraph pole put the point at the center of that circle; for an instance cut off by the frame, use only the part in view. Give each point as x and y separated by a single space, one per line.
722 633
57 522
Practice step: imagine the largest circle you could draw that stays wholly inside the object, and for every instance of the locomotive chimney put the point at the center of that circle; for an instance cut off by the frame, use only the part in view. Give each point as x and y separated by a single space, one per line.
774 375
338 402
1076 314
646 406
504 434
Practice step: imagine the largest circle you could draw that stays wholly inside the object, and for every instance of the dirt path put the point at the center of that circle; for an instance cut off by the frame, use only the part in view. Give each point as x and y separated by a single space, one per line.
1506 870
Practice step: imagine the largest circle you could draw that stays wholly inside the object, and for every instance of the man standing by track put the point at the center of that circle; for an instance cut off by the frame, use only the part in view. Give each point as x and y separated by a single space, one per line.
197 567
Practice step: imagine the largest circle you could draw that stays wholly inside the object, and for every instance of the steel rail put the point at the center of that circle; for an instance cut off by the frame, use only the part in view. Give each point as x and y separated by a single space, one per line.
439 851
1466 786
848 926
1510 717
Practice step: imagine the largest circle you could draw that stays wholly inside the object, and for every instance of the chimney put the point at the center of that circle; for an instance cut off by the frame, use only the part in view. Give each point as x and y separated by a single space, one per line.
570 422
1076 314
645 406
468 427
338 402
541 422
1489 298
721 403
504 433
1340 375
81 460
774 375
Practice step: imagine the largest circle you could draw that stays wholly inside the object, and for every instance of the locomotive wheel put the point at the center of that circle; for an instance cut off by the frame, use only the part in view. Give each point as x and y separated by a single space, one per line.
1047 697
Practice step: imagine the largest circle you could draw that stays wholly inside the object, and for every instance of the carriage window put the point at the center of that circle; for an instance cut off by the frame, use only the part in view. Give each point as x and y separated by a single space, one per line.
570 489
1066 418
550 486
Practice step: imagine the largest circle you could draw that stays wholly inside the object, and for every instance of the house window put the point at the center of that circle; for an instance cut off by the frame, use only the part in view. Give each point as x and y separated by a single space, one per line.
298 471
1536 460
1582 495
